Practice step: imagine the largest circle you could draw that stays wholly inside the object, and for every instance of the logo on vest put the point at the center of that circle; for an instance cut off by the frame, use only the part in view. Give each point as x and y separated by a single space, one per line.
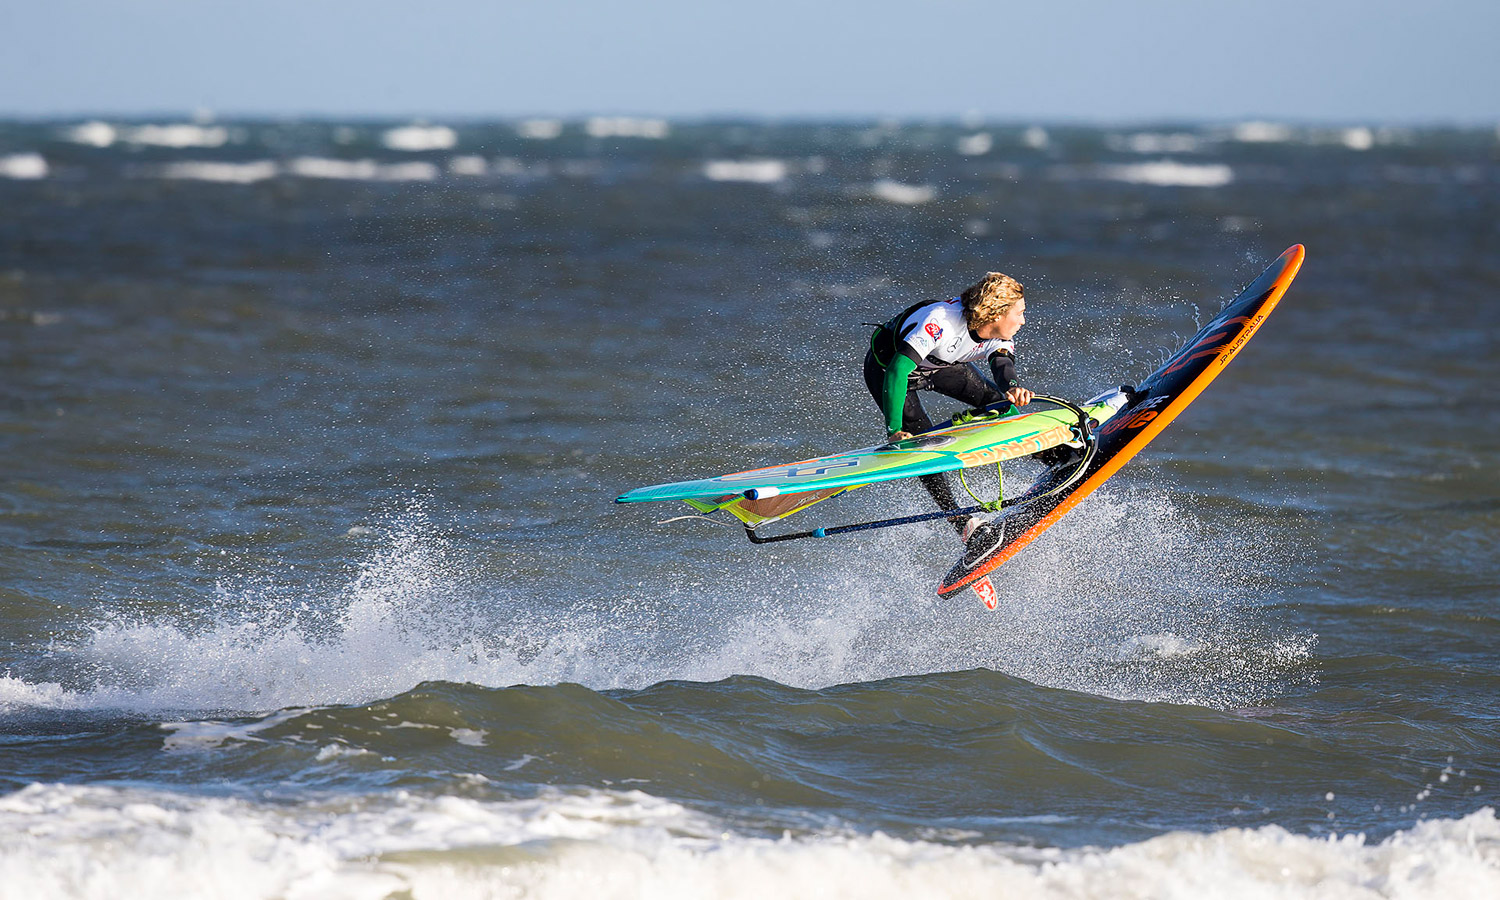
934 329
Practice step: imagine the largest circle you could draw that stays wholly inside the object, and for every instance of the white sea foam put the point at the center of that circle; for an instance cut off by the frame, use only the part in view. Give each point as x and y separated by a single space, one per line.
399 622
1036 137
179 135
23 166
226 172
418 138
540 129
470 737
468 166
94 134
340 751
804 616
16 692
123 843
208 734
1151 142
1170 173
904 194
1262 133
754 171
1357 138
361 169
626 126
975 144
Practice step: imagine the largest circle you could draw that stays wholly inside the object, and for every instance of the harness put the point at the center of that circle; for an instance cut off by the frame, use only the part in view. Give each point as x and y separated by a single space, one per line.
883 338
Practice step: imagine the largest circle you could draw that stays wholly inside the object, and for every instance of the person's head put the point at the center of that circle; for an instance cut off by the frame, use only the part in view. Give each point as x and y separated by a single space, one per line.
995 307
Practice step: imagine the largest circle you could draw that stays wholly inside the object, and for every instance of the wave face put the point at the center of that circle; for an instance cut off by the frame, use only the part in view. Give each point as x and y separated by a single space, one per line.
417 608
309 582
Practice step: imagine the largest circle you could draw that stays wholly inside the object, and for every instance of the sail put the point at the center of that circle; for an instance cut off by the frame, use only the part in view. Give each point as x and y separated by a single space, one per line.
989 436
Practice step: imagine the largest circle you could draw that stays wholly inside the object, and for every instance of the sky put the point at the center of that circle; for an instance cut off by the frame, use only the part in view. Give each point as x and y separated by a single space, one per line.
1333 61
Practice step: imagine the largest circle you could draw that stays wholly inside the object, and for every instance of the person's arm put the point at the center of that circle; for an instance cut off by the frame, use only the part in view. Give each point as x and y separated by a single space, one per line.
893 393
1003 368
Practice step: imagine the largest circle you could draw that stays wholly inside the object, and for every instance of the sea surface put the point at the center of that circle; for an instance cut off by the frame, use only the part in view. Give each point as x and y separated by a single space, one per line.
311 584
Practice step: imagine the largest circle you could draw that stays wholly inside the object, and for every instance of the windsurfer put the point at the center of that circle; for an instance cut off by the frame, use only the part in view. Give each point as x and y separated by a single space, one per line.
929 347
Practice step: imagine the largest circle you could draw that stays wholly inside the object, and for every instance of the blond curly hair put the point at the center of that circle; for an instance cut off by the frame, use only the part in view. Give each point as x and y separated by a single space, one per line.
990 298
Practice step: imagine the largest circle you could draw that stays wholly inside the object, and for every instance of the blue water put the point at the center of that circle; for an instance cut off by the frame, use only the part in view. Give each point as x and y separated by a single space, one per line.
310 584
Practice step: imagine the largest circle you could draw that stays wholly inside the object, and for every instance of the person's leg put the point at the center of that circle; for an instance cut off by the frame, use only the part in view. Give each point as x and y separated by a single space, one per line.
962 383
915 420
981 534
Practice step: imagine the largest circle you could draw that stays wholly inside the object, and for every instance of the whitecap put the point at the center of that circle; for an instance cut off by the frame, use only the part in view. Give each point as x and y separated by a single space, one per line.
94 134
418 138
16 693
626 126
23 166
126 842
754 171
539 129
1261 133
1149 142
179 136
361 169
1357 138
1170 173
904 194
226 172
468 166
975 144
415 612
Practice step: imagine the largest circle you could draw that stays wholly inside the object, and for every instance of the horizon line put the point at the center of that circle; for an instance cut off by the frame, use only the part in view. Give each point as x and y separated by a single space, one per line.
965 120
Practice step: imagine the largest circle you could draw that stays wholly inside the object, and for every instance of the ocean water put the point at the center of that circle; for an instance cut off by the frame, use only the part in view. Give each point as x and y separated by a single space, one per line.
311 586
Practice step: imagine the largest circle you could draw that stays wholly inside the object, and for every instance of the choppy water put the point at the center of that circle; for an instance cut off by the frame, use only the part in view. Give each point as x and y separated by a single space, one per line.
310 585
